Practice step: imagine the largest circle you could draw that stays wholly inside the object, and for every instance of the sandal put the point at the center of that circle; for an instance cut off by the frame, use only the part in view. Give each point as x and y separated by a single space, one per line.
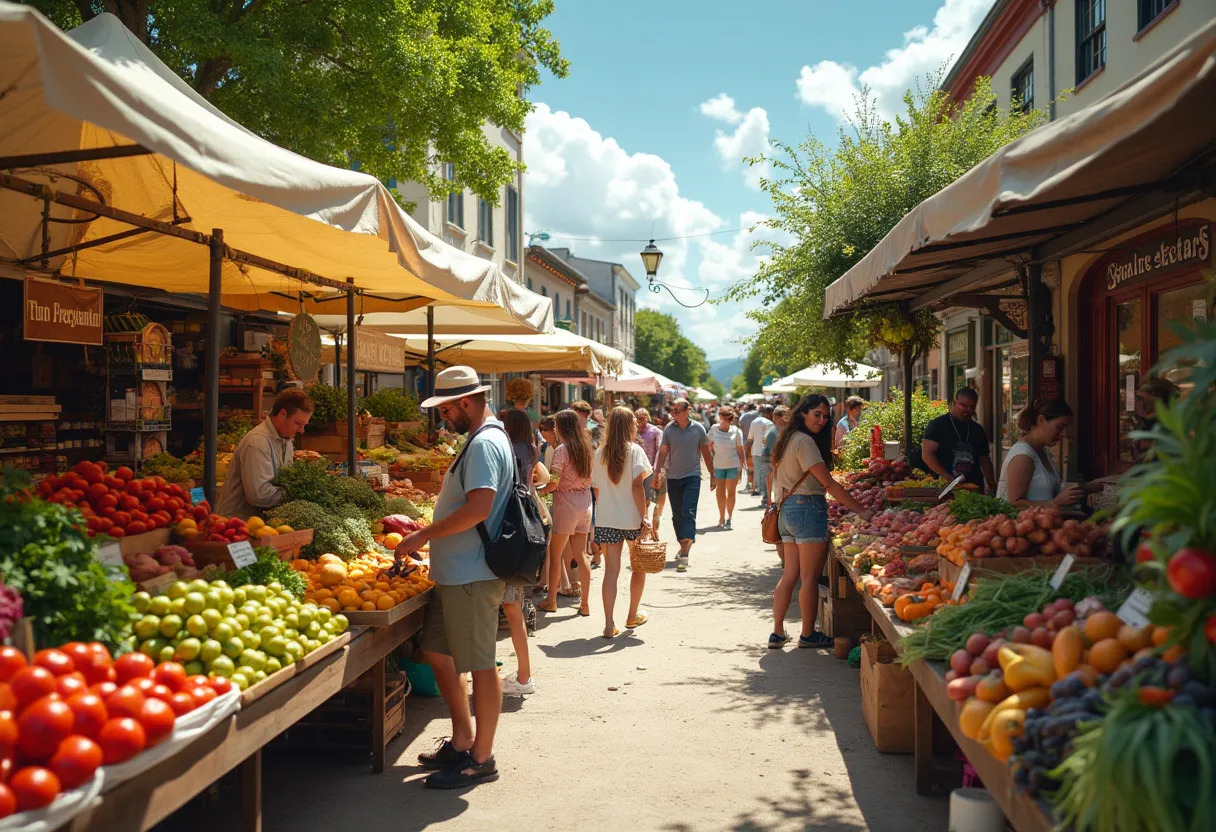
616 631
583 611
636 621
544 607
567 594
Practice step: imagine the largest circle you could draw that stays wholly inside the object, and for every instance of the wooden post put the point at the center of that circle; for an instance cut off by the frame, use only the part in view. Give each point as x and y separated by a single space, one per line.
431 414
251 793
1040 325
378 743
211 395
922 743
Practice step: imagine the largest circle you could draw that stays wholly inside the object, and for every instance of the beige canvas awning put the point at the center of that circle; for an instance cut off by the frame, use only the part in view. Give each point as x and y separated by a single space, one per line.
556 350
1130 152
99 92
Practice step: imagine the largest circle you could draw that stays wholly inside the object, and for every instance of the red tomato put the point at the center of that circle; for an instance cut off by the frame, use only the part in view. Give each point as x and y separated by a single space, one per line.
159 481
174 504
155 504
134 488
117 531
56 661
128 503
104 689
137 527
6 768
88 714
11 660
202 694
42 726
8 699
124 473
200 513
121 739
101 650
34 787
1209 629
160 692
104 524
78 652
198 679
181 703
157 719
1192 573
143 684
8 801
220 685
140 515
170 674
8 733
122 518
31 683
128 700
71 684
96 667
107 501
75 761
96 492
133 666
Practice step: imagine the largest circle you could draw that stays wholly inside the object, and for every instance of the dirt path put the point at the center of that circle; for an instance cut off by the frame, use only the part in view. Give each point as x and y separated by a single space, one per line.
706 728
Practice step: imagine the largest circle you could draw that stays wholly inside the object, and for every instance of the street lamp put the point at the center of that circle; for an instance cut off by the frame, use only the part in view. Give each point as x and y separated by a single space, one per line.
651 257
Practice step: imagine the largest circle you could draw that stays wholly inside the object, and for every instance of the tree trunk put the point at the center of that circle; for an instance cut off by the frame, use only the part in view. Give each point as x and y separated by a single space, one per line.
133 14
209 74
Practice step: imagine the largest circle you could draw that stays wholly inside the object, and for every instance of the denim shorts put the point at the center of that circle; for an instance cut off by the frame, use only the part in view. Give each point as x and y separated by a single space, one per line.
726 473
804 519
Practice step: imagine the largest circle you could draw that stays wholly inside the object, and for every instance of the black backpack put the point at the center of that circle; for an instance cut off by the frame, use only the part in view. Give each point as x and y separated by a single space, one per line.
518 555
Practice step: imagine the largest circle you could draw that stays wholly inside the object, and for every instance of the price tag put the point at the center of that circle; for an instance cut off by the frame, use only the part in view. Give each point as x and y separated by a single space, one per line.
154 585
110 554
961 586
197 495
1057 579
1134 611
242 554
946 491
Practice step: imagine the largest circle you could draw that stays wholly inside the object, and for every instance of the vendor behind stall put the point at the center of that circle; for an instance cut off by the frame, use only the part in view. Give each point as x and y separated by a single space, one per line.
259 456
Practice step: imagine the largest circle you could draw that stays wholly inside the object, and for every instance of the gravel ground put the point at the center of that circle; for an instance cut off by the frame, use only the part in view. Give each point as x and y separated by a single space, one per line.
687 723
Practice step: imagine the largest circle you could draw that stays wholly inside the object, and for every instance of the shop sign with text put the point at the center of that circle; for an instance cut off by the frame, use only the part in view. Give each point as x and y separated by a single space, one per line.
1177 246
62 313
376 352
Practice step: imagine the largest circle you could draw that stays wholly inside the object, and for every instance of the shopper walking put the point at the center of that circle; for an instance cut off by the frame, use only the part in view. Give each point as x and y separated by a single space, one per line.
571 487
649 438
764 473
620 469
461 627
801 476
728 462
684 447
747 415
754 444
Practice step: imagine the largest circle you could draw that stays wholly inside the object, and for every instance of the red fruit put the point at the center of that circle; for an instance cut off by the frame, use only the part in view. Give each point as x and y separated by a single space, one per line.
11 660
56 661
128 503
221 685
9 733
96 667
104 689
144 685
124 473
34 787
78 652
137 527
71 684
117 531
1145 552
30 684
96 492
8 801
121 739
89 714
140 515
133 666
157 719
1191 572
8 699
198 679
160 692
155 504
1209 630
128 700
181 703
75 761
170 674
202 694
42 726
107 501
200 513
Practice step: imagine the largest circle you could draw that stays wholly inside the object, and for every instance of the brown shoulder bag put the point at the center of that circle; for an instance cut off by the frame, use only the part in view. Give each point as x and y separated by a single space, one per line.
769 531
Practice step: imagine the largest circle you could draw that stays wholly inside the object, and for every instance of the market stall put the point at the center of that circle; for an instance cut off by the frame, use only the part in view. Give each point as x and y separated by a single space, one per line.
557 350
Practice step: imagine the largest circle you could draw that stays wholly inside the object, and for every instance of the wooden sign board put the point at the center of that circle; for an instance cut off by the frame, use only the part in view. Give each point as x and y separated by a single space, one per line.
62 313
376 352
303 348
1179 245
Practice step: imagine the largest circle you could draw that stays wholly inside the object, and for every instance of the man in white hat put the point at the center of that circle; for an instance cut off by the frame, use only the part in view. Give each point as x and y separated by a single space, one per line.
461 627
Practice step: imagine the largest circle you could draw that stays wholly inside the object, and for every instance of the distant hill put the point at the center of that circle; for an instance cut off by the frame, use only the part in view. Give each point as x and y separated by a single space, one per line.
725 369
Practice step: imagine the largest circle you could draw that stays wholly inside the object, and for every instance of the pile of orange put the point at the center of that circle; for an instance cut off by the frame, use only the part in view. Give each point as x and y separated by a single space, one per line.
360 584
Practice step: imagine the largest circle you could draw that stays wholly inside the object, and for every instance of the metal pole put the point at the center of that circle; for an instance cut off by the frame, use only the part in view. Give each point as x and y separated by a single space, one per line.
211 398
350 377
337 359
432 414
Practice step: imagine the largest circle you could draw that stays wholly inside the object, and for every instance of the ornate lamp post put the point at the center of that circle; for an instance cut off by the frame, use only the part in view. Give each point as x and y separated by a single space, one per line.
651 257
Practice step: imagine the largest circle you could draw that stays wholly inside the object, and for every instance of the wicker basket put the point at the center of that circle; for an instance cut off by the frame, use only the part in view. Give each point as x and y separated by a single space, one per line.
647 555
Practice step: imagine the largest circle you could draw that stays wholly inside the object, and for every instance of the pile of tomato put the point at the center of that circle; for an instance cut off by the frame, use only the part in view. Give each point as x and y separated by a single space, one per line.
76 708
118 504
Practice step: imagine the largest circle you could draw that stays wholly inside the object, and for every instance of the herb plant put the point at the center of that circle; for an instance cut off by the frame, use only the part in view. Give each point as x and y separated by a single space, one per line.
392 404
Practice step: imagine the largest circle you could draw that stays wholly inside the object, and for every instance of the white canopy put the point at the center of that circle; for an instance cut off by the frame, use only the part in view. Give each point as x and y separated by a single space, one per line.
634 378
751 397
782 385
820 375
99 87
556 350
703 395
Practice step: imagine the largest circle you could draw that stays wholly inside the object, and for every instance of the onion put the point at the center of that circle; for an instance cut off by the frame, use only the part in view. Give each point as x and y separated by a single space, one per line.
1023 527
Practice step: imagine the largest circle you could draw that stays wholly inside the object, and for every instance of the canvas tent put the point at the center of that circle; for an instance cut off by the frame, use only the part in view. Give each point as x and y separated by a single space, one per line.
634 378
556 350
821 375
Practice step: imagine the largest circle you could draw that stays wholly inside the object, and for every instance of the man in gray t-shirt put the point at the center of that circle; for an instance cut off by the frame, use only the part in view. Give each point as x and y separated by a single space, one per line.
685 444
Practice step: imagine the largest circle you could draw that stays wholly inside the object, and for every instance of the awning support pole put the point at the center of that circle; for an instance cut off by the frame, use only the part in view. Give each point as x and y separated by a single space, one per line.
337 359
350 378
908 360
45 257
211 398
432 414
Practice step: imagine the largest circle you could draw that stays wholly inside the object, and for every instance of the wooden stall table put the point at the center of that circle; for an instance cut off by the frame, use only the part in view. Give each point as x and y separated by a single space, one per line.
275 705
1023 812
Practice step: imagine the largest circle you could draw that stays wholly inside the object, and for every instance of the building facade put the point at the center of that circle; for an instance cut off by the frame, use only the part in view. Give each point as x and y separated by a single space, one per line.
615 291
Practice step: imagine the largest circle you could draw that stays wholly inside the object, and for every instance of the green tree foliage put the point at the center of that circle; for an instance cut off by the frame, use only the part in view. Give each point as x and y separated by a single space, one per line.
889 415
837 203
394 86
661 346
752 377
714 386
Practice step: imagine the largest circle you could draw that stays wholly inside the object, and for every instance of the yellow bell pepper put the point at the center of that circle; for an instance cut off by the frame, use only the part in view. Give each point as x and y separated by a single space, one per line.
1026 666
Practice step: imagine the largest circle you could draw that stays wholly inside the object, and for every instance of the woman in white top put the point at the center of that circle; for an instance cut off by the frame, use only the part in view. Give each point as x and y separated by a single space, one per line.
1028 475
617 476
728 462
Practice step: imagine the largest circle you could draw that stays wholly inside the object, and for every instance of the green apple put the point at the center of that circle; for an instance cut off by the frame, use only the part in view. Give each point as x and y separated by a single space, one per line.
189 649
240 680
196 626
178 607
198 585
195 602
295 649
152 646
274 587
239 596
253 659
227 594
259 676
325 637
256 592
168 653
276 646
159 605
323 614
223 666
305 616
213 617
273 665
252 640
170 625
269 632
243 620
223 631
263 621
141 601
214 598
342 621
233 648
146 627
292 621
210 651
176 590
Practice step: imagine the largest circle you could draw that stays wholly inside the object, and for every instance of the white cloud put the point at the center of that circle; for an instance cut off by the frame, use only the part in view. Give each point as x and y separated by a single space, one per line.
581 184
722 108
834 86
749 139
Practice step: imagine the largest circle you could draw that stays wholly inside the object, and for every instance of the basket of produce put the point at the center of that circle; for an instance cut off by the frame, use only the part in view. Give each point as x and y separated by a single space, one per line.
648 556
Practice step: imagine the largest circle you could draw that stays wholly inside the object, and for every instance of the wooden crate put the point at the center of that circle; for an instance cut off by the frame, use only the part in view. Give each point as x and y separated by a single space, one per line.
845 617
1011 566
887 698
345 720
386 618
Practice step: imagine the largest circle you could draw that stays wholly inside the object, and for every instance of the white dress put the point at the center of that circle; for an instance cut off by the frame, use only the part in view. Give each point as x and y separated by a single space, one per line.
1044 483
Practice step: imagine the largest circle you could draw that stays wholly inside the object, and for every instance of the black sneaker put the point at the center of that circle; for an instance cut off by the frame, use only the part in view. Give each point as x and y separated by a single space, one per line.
442 757
467 773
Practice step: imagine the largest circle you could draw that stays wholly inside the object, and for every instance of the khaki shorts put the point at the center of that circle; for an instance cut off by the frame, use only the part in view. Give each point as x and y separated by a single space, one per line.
462 622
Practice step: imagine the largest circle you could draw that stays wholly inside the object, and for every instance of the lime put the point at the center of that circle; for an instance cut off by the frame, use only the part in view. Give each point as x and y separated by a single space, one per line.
170 625
141 601
196 626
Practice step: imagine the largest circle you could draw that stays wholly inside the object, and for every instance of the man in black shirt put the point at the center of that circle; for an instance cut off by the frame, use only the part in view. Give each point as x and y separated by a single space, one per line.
956 444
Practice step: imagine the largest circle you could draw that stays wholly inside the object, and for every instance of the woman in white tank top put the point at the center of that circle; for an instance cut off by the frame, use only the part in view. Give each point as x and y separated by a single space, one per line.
1028 475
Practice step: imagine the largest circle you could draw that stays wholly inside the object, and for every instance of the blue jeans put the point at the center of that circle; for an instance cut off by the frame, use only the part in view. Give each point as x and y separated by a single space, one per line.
763 469
804 519
684 494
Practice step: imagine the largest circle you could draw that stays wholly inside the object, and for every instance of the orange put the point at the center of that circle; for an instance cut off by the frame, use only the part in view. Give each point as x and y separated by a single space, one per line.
1161 635
348 598
1134 638
331 604
1101 626
383 586
1173 654
368 606
385 602
1107 654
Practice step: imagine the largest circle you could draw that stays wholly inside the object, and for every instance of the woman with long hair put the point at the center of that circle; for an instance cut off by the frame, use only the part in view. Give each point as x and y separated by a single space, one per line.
571 484
618 477
1028 476
801 460
729 462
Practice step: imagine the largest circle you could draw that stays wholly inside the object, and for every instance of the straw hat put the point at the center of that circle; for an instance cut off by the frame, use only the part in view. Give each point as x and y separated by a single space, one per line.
455 383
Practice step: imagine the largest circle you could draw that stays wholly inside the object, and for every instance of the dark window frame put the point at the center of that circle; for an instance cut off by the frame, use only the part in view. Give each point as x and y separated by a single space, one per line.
1091 38
512 230
455 202
1022 83
1149 12
485 222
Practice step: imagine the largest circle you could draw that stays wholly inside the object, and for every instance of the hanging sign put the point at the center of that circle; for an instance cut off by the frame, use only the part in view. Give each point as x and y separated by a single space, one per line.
303 348
1174 246
958 346
62 313
376 352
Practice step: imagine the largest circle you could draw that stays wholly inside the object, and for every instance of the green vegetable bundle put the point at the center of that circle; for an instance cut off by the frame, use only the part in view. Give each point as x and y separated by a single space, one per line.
392 404
268 569
166 465
306 480
329 405
970 505
332 534
358 492
400 505
998 603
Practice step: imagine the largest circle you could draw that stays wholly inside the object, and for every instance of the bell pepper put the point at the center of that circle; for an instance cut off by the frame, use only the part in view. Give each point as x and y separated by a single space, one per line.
1026 666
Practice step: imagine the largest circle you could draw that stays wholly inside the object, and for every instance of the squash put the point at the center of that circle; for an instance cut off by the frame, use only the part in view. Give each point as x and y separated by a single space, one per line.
973 717
1020 701
1066 651
913 607
1026 666
1006 727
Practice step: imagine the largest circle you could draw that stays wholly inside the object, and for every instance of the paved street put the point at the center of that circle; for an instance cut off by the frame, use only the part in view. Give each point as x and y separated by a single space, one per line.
707 729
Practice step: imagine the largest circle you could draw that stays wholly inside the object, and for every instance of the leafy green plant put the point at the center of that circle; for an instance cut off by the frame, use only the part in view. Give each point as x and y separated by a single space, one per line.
266 570
328 406
970 505
357 491
400 505
47 557
306 479
889 415
392 404
168 466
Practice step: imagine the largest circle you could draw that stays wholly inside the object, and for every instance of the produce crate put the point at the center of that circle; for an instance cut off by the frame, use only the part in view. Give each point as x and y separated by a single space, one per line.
345 720
323 443
909 552
385 618
844 617
147 542
950 571
887 698
289 545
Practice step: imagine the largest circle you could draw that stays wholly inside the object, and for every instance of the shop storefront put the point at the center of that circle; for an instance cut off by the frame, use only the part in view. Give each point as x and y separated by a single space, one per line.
960 355
1008 368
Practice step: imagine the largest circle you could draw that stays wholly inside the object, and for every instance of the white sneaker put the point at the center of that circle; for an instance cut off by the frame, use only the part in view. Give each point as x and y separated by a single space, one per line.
682 563
511 686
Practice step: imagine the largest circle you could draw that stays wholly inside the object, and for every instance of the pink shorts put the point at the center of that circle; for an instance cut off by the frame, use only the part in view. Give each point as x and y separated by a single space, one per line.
572 512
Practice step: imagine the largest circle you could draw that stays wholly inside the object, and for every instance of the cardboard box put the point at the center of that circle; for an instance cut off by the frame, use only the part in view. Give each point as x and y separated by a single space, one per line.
847 617
887 698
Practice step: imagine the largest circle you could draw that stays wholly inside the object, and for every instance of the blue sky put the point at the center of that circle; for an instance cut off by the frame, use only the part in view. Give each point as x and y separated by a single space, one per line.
645 136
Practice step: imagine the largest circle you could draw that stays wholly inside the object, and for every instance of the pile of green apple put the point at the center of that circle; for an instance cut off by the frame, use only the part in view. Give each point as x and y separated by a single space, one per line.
243 634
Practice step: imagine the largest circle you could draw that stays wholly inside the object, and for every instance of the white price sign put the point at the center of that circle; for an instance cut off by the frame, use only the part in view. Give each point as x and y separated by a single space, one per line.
1134 611
1057 580
242 554
110 554
961 586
